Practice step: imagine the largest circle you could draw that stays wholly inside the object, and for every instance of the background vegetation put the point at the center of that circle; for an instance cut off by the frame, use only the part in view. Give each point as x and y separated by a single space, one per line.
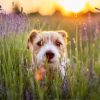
82 81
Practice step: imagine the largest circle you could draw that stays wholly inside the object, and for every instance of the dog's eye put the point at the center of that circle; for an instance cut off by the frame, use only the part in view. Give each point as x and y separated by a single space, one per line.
58 43
40 43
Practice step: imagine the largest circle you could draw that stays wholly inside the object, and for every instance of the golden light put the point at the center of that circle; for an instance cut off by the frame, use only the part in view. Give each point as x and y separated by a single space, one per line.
72 5
49 7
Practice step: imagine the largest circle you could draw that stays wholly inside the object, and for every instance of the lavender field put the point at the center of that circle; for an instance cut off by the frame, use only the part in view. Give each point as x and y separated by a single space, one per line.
82 80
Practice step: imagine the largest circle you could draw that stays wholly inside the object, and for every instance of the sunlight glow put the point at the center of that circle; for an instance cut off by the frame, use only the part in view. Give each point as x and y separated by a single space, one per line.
49 7
72 5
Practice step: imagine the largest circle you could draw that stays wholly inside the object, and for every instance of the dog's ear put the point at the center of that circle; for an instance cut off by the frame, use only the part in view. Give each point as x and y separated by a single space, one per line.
31 38
64 35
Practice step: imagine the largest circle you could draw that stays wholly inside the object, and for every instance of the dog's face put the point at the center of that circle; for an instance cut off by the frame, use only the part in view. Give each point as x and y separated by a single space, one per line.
47 46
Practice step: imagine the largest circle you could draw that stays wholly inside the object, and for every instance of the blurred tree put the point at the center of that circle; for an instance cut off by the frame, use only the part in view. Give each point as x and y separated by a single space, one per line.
0 7
16 8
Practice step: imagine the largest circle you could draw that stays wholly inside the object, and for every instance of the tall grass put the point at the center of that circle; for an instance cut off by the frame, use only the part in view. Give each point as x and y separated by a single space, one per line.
82 81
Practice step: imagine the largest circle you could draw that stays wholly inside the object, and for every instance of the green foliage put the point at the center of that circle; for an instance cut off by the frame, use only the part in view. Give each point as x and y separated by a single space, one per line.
82 75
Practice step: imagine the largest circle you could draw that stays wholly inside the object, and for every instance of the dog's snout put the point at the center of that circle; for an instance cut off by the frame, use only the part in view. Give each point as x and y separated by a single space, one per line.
49 55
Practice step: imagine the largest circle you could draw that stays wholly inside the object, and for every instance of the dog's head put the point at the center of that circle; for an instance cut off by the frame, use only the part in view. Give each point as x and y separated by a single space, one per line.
47 46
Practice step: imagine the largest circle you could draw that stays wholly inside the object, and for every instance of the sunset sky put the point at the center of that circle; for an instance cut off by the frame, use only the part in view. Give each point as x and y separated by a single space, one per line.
48 7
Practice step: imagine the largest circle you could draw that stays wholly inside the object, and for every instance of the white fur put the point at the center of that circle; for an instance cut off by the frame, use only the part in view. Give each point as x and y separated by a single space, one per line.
49 46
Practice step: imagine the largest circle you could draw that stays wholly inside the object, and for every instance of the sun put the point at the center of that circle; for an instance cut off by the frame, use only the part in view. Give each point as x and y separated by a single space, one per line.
72 5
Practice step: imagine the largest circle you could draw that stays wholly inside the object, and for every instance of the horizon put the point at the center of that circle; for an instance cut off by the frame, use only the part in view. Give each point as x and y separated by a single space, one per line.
65 7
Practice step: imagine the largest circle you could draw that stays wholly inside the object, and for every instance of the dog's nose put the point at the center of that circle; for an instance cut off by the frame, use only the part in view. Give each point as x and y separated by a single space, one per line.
49 55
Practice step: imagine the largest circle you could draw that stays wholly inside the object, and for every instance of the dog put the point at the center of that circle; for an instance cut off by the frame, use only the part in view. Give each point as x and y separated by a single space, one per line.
50 47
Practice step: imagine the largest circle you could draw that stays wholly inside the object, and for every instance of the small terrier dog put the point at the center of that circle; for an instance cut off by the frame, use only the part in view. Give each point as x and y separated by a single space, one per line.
50 47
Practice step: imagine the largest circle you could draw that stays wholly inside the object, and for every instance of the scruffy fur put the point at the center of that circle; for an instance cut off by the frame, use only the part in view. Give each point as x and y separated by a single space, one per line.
48 46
